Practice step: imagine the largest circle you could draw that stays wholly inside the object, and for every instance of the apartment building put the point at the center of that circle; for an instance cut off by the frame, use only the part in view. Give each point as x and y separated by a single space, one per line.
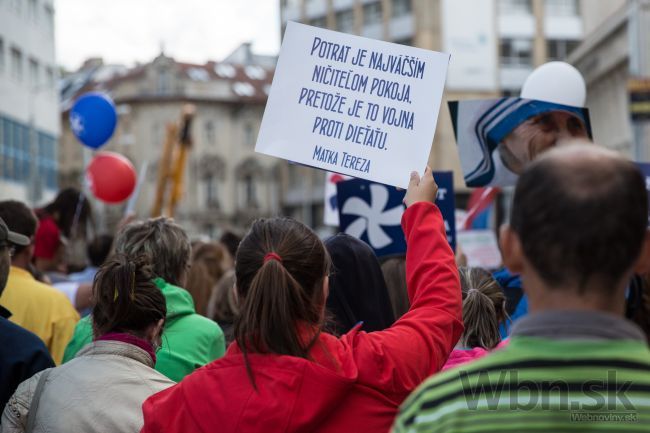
29 107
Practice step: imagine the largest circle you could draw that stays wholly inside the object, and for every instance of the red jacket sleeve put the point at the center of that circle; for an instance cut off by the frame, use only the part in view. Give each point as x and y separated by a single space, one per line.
398 359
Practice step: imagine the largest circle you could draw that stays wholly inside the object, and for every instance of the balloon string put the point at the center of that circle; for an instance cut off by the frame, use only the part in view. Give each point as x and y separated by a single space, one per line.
77 216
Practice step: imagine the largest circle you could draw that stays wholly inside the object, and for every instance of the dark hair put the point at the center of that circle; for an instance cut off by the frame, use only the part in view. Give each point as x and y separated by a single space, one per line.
161 239
357 290
231 241
125 297
209 262
582 219
98 249
19 218
484 308
222 306
394 270
68 203
277 296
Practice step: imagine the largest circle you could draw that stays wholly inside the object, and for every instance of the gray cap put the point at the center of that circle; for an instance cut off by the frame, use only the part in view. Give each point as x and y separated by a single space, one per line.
13 237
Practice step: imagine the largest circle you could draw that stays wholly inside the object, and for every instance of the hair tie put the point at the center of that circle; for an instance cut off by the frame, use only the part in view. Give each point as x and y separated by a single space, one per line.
272 256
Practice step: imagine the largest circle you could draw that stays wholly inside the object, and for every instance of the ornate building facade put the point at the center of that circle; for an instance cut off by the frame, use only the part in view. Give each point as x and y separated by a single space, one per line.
226 184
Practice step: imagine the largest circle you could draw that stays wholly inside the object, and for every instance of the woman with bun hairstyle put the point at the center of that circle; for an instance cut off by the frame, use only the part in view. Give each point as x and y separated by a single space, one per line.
285 374
484 310
103 387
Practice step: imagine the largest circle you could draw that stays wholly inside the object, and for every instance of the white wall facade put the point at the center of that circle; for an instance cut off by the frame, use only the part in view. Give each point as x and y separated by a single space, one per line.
29 96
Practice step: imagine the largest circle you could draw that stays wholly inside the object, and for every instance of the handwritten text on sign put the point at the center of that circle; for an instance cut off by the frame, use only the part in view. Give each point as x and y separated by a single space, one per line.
353 105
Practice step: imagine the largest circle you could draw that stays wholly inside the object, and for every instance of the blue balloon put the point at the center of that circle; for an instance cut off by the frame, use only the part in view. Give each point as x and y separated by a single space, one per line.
93 119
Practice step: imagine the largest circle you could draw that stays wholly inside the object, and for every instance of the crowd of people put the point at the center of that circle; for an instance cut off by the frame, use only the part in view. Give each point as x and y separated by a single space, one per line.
282 331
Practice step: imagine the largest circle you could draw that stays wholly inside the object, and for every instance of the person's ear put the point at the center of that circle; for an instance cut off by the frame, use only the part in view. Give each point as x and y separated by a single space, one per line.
159 327
642 264
154 332
326 287
511 249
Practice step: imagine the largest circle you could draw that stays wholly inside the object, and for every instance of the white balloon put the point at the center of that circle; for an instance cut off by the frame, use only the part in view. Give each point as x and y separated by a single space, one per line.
556 82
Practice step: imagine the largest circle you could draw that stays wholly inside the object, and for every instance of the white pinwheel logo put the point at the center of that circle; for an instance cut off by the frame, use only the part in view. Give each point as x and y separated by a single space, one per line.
372 217
76 124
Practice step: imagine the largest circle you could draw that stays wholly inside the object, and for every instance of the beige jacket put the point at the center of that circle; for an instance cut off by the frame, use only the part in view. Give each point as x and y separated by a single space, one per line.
101 390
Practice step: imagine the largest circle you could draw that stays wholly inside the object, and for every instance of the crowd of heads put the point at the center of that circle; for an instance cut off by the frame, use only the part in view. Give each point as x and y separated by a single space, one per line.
577 235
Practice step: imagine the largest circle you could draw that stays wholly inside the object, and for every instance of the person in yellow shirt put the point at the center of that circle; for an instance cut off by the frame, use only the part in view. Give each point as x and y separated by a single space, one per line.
35 306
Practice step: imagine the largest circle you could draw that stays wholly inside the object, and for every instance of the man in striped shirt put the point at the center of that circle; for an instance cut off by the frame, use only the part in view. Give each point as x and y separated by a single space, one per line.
577 233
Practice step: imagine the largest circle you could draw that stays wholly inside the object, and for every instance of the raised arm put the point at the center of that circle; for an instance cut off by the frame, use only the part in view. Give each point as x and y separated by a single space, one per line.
398 359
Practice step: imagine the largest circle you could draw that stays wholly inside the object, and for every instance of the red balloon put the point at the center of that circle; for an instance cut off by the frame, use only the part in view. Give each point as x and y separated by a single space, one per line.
111 177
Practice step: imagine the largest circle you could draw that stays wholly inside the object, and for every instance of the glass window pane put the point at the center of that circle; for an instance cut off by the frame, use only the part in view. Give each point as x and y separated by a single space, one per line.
516 52
513 7
372 13
561 8
345 21
401 7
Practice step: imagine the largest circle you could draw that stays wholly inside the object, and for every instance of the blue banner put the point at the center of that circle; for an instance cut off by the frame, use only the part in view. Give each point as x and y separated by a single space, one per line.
372 212
447 203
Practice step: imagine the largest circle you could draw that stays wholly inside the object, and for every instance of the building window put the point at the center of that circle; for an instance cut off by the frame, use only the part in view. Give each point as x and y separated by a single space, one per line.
47 160
516 52
16 64
163 85
211 191
49 19
345 21
372 14
33 72
559 49
407 41
401 7
561 8
249 135
32 10
515 7
18 6
49 75
250 192
2 55
290 3
318 22
209 132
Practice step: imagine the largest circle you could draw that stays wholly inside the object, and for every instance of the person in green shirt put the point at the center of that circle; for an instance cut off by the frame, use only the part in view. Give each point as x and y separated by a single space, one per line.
189 339
577 233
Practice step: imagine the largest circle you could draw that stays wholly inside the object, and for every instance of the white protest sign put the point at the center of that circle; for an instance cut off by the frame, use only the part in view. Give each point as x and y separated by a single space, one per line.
353 105
480 247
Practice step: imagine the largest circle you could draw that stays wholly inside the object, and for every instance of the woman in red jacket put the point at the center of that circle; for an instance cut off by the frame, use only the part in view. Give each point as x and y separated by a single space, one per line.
283 374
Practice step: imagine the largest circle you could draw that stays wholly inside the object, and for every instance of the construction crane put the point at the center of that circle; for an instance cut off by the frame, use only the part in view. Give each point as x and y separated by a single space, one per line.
171 170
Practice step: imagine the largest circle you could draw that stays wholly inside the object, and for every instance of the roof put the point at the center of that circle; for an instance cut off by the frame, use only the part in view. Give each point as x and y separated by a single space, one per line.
248 83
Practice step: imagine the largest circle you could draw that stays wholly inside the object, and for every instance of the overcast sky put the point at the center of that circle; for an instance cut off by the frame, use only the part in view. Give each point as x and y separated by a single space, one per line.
127 31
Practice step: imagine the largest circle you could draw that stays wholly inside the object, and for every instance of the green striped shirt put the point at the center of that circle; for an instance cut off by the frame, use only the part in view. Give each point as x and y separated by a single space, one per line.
538 385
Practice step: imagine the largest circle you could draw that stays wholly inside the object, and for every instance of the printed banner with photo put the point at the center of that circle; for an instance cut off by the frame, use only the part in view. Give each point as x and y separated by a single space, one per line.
352 105
373 212
498 138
